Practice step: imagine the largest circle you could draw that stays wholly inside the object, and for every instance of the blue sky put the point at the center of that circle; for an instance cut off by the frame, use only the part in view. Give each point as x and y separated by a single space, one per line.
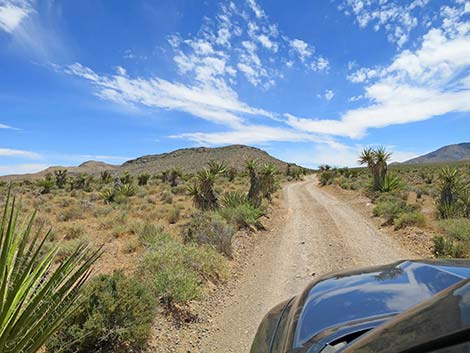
311 82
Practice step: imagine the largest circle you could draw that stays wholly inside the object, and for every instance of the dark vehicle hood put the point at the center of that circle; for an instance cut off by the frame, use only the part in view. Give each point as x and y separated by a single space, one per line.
351 303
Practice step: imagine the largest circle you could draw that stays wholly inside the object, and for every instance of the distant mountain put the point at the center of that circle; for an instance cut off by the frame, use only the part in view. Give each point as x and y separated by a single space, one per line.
187 160
450 153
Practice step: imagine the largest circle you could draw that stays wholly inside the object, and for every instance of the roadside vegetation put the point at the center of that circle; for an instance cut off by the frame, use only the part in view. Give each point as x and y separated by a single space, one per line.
434 198
164 239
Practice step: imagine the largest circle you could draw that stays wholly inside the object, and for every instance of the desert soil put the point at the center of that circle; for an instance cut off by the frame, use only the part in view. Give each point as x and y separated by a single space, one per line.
312 233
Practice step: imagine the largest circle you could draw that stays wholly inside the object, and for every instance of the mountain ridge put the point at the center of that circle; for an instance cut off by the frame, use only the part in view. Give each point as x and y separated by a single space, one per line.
449 153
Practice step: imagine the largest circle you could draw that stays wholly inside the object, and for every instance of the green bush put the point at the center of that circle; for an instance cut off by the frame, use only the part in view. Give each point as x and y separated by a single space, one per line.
176 271
412 218
210 229
444 247
116 317
456 228
173 215
326 177
392 207
242 216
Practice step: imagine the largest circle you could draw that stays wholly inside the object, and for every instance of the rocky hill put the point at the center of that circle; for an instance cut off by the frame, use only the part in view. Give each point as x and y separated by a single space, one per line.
187 160
193 159
450 153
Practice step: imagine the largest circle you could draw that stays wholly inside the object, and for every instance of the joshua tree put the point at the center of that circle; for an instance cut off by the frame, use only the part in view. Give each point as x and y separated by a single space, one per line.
231 174
174 175
126 178
60 178
46 183
202 191
106 177
376 161
268 182
143 179
254 193
37 296
80 181
165 176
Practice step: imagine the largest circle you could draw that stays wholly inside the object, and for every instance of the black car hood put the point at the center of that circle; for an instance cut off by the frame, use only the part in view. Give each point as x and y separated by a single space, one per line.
338 304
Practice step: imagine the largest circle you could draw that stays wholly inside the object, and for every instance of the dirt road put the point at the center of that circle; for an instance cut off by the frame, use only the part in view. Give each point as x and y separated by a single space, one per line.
313 233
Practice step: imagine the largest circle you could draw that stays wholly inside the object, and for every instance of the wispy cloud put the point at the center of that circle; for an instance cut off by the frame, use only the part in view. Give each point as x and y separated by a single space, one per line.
22 168
8 152
12 13
4 126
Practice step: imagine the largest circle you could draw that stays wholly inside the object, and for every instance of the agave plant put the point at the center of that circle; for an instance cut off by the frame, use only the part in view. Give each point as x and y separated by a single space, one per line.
36 297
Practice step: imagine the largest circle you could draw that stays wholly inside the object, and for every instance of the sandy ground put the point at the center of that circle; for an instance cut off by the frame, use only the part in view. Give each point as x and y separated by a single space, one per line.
311 233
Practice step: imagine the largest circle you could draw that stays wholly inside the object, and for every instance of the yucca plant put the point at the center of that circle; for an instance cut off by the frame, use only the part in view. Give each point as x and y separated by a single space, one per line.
376 161
390 182
46 184
126 189
108 195
234 199
36 296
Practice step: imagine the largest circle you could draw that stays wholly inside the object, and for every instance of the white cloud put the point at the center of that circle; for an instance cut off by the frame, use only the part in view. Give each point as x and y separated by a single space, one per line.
22 168
256 9
397 18
252 134
301 48
329 94
8 152
418 85
12 13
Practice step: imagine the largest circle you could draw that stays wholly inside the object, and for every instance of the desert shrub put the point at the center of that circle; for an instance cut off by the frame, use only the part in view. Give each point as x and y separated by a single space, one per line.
327 177
173 215
74 231
150 235
210 229
116 317
176 271
458 229
241 216
391 208
166 197
412 218
444 247
70 214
